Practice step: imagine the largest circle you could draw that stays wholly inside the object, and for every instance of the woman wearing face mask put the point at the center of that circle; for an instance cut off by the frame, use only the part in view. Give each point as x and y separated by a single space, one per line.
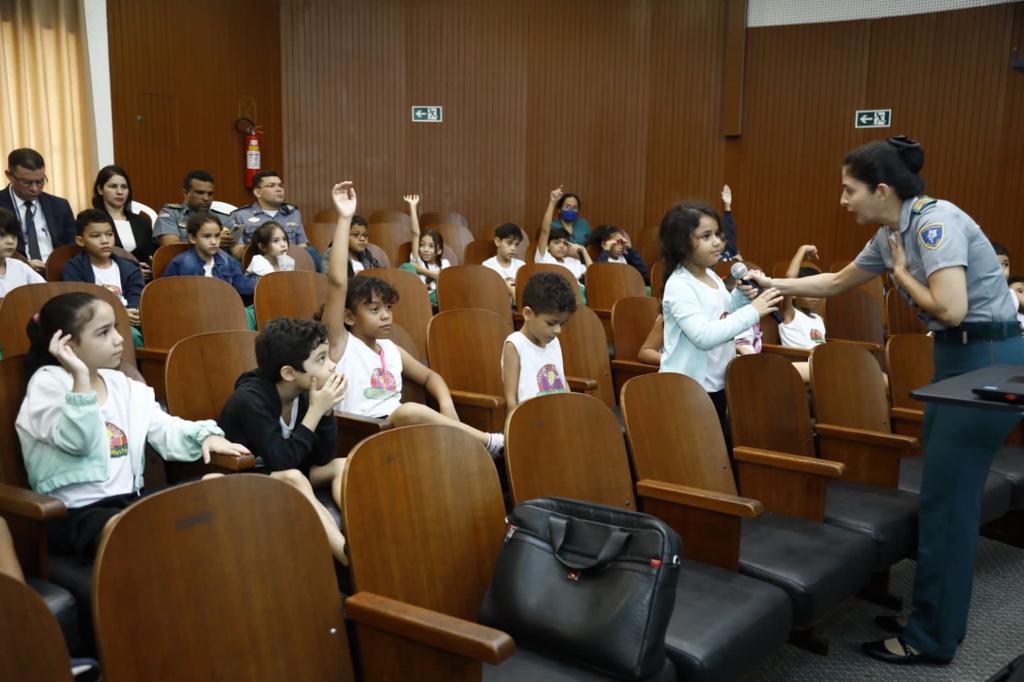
567 216
941 260
112 194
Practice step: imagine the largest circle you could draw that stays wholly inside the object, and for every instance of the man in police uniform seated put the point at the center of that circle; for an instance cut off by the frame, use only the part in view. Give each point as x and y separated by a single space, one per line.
268 189
170 224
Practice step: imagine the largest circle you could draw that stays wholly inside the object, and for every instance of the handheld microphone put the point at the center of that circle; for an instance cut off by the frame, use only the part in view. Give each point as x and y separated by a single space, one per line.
739 272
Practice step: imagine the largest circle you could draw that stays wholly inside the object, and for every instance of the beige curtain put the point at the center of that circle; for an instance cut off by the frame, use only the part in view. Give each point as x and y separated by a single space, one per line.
44 92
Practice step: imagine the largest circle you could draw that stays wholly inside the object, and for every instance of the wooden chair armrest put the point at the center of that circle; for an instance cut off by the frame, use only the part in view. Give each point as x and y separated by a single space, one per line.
484 400
867 345
359 422
29 504
634 366
907 413
437 630
604 314
232 463
782 460
581 384
891 441
145 353
786 351
721 503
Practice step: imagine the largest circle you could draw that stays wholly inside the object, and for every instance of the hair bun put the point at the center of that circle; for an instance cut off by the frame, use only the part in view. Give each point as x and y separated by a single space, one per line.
910 152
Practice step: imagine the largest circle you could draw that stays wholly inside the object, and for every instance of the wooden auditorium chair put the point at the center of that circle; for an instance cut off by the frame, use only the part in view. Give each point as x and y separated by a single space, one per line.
289 294
606 283
585 356
571 446
900 318
675 437
387 217
232 578
163 256
31 643
389 236
457 236
478 250
632 320
434 218
851 404
412 310
476 287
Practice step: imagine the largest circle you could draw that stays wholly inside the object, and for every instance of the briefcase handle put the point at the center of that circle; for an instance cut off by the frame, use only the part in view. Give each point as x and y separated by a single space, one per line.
559 527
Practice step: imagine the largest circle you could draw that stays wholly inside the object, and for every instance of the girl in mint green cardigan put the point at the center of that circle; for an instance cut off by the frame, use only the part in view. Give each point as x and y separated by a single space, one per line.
84 425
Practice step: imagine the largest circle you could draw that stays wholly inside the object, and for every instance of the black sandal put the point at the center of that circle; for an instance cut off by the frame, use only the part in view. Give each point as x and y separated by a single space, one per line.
879 651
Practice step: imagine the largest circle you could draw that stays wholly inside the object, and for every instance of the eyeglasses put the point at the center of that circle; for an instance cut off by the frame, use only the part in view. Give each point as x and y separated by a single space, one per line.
29 183
359 235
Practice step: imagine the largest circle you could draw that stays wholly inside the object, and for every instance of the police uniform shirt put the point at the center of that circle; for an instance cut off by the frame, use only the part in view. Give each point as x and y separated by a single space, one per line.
173 218
937 234
248 219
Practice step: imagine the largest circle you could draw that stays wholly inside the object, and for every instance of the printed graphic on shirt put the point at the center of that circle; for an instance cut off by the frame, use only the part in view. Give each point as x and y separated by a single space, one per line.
930 236
116 290
118 441
548 380
382 385
817 336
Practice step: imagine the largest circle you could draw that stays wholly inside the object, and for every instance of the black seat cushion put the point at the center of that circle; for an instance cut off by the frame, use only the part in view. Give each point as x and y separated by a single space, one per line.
323 494
1009 463
724 623
61 604
532 666
995 501
817 564
886 515
75 575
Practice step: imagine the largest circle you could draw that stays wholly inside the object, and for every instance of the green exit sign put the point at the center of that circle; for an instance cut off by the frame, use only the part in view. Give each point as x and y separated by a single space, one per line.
427 114
872 118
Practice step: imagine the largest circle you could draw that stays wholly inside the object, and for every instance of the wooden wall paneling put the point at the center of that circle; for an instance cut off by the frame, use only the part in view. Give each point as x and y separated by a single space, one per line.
735 40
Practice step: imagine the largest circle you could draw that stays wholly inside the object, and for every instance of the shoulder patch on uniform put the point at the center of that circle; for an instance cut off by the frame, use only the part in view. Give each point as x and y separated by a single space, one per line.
253 219
921 204
931 235
175 206
164 214
287 208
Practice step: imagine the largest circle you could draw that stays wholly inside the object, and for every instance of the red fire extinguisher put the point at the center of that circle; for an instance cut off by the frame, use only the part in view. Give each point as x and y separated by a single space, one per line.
252 132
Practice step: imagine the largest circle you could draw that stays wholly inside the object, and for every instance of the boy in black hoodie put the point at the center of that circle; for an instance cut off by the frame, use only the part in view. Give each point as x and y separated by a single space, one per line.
283 411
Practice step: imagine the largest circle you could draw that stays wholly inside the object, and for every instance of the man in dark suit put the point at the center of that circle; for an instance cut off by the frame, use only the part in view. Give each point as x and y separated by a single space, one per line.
46 221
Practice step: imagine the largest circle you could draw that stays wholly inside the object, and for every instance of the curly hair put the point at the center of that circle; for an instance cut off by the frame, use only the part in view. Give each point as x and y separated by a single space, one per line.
287 341
549 293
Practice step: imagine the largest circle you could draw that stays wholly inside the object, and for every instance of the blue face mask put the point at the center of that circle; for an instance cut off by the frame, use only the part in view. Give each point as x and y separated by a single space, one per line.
569 215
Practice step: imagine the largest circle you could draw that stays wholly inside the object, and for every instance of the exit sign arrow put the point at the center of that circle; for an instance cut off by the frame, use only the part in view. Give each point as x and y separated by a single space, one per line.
431 114
872 118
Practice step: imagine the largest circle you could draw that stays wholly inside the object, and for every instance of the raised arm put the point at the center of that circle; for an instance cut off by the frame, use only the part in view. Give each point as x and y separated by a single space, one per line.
413 200
792 272
545 226
344 196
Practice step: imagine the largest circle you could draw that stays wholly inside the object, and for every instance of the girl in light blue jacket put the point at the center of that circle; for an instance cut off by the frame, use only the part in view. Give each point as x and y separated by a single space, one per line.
84 425
701 317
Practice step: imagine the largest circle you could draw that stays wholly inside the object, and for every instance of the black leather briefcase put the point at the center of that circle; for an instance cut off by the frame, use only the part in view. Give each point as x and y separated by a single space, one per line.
587 583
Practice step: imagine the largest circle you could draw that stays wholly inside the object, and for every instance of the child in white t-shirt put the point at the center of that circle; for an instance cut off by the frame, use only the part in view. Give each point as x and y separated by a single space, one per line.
531 359
801 326
269 244
555 245
507 238
13 272
1017 287
357 315
427 256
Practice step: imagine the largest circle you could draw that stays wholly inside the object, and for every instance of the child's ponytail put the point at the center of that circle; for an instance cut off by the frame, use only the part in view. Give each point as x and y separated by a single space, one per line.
66 312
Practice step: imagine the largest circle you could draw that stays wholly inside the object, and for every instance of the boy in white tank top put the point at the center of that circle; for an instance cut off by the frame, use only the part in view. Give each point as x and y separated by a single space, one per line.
531 360
358 319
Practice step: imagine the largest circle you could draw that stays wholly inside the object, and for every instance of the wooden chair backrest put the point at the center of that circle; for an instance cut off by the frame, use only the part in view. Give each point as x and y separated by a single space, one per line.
479 250
31 644
464 347
770 330
608 282
289 294
900 318
674 433
413 309
258 568
20 304
651 251
391 217
567 445
848 387
56 260
326 215
585 352
173 308
202 369
383 259
13 382
632 320
435 218
456 236
911 366
768 405
529 269
658 278
303 261
389 236
163 256
855 315
434 488
411 391
320 235
473 286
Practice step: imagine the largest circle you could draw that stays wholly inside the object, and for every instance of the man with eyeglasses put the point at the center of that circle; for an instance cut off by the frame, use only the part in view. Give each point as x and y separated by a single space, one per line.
268 190
46 221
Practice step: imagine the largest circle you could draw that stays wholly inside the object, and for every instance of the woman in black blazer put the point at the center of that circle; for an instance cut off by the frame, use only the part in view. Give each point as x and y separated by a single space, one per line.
112 194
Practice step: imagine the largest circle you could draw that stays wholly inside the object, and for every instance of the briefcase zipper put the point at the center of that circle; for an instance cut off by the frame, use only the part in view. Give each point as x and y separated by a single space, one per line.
653 562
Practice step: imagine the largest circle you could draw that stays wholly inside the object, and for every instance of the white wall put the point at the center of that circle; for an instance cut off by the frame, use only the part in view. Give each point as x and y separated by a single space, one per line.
94 24
780 12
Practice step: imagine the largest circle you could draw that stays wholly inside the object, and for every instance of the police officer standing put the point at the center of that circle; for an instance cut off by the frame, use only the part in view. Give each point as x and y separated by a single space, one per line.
944 265
170 223
268 190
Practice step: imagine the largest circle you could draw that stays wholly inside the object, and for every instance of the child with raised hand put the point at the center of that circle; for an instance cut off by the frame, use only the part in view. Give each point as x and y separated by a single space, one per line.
616 247
269 248
13 272
555 246
531 359
358 319
801 326
426 258
84 425
283 411
98 264
507 238
701 318
205 258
